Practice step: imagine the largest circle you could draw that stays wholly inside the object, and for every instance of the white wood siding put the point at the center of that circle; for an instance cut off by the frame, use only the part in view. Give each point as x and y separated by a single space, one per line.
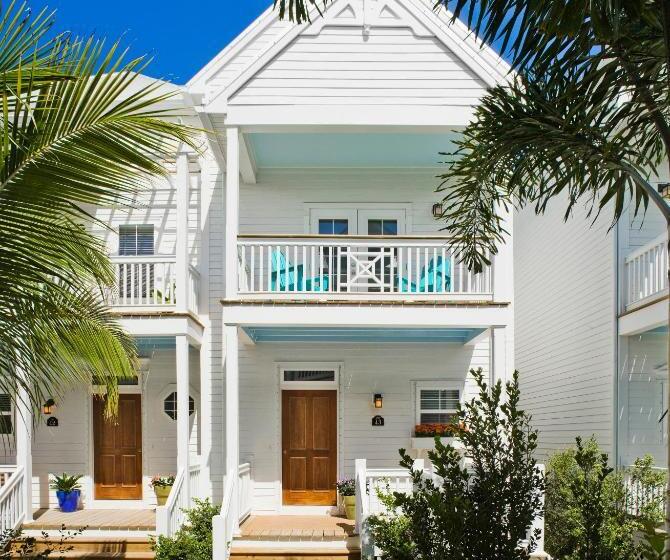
565 325
342 66
387 368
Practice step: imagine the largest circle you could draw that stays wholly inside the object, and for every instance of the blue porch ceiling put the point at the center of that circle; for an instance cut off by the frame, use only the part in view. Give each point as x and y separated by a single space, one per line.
314 150
360 334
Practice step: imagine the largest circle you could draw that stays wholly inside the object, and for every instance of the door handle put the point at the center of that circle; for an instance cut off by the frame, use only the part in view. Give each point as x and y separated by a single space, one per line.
285 452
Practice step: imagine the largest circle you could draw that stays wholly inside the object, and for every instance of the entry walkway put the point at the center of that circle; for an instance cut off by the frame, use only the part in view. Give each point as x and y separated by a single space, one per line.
94 519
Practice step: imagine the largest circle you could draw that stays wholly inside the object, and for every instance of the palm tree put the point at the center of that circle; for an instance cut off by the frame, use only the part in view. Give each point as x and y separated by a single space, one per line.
78 129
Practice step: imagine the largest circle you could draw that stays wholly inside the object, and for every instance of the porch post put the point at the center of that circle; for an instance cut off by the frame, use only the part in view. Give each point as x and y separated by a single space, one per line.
181 245
24 455
232 414
498 358
232 209
182 411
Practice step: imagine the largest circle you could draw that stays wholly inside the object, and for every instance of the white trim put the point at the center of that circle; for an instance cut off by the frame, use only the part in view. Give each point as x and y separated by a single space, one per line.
309 385
440 385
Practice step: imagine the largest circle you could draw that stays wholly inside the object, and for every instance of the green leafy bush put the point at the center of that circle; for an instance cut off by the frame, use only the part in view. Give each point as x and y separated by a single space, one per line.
194 540
480 512
586 505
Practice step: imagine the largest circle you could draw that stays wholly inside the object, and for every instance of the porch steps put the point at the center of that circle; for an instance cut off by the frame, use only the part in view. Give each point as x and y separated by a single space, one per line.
287 552
97 547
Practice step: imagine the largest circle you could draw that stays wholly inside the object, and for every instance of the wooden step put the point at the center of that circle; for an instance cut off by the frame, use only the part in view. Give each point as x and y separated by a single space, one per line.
101 548
284 551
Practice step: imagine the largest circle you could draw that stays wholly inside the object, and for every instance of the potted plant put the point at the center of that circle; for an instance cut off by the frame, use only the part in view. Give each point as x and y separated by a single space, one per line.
68 491
425 434
162 486
347 489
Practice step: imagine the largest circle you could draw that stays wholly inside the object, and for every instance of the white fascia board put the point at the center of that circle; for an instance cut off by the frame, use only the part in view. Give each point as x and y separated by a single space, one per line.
366 316
162 326
644 319
434 116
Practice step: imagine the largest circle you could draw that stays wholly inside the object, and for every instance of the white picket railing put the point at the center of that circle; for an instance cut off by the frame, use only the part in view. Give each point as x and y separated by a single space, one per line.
5 472
368 481
194 482
646 271
151 281
244 490
639 496
170 517
12 502
357 265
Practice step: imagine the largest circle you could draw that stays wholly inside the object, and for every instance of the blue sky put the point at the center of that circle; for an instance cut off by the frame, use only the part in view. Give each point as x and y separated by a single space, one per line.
182 36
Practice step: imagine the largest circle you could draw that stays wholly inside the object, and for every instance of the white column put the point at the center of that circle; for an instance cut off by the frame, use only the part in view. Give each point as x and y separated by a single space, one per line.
182 256
232 209
232 412
183 419
498 358
24 455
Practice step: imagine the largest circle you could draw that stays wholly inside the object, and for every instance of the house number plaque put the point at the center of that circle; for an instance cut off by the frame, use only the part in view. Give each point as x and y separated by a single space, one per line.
377 420
52 421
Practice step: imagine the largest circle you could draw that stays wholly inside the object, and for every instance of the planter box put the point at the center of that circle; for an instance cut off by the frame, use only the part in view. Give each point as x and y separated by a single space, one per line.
429 442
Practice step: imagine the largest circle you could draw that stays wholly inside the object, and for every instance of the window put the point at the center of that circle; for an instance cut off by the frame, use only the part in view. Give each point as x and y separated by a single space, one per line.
383 227
309 375
6 422
436 404
136 240
170 405
333 226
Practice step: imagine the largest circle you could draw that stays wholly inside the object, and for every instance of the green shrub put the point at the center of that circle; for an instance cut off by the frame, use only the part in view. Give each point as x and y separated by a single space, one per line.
482 512
194 540
585 510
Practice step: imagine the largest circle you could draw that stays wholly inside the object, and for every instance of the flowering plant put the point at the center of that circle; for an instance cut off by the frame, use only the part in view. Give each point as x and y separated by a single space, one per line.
162 481
441 430
346 487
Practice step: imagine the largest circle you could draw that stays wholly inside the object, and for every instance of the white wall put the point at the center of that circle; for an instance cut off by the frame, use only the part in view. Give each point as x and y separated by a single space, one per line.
565 325
367 368
643 382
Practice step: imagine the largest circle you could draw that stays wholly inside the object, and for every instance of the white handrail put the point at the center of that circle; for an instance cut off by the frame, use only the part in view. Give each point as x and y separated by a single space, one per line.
170 517
194 482
373 266
223 524
244 491
646 271
12 508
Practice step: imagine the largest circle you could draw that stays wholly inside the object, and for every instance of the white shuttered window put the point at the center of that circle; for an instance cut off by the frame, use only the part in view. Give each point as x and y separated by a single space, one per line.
436 404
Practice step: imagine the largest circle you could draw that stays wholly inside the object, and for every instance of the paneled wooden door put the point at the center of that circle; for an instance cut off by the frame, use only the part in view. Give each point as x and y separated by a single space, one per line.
309 447
117 447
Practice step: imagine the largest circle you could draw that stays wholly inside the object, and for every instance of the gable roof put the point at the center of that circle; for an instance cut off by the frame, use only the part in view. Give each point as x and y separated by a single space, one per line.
267 37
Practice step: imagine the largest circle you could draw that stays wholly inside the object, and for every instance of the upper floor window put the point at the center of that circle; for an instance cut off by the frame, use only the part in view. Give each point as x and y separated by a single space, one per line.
135 240
6 416
333 226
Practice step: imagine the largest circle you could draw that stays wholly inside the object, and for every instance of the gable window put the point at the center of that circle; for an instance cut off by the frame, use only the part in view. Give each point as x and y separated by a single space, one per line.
136 240
6 419
170 405
436 403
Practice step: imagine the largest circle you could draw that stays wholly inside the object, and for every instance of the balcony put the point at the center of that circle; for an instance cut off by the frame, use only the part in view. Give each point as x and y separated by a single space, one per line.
150 283
357 267
646 273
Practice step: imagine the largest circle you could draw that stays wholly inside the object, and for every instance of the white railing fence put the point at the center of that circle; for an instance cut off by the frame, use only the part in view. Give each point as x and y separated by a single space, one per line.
193 289
12 502
170 517
5 472
244 491
235 508
368 481
646 271
356 265
640 496
194 482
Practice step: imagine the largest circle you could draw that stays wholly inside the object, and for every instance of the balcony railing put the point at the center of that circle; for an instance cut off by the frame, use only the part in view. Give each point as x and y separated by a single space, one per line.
151 282
364 267
646 272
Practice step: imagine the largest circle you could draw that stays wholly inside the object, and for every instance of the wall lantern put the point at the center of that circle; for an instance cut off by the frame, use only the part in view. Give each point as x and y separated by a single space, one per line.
47 407
378 400
438 210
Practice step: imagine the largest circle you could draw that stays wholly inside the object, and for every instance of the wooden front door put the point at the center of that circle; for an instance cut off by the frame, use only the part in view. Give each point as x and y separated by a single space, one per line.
118 450
309 447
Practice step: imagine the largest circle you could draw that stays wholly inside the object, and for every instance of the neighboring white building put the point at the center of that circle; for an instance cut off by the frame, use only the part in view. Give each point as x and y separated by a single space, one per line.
291 272
591 305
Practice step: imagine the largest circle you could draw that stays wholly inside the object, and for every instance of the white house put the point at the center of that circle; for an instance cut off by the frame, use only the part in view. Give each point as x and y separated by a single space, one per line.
289 276
591 309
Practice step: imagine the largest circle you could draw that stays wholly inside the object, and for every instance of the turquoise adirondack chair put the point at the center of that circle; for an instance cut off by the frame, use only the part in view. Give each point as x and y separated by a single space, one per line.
435 277
286 277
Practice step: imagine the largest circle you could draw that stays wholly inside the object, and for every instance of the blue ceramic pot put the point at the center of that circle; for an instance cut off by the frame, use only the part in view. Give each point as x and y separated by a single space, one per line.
68 501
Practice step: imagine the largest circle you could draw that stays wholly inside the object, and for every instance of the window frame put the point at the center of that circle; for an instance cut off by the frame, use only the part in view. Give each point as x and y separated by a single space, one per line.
10 414
125 229
309 366
437 385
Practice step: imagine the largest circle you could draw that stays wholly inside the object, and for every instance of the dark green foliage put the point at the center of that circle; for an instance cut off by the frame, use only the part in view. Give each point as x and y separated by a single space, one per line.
586 516
66 482
480 512
194 540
